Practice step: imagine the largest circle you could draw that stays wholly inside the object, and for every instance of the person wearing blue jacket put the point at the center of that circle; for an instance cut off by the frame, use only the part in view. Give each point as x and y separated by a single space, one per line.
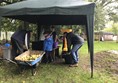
48 46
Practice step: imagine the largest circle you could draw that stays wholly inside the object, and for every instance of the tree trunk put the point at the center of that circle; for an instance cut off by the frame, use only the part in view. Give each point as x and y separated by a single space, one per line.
117 39
6 35
0 25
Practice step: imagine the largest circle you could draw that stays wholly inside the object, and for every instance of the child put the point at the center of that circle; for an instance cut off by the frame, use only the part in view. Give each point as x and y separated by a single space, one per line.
48 46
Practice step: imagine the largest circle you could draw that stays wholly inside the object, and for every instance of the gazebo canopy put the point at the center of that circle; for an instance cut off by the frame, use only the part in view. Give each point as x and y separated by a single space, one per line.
55 12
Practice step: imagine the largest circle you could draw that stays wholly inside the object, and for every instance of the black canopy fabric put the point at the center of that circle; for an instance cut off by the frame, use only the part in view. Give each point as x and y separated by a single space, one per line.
55 12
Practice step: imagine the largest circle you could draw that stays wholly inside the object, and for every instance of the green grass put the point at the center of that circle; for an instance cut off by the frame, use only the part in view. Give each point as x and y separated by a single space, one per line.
100 46
59 72
52 73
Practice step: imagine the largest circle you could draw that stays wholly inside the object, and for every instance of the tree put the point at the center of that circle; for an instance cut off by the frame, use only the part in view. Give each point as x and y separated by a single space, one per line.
9 1
99 18
115 29
9 24
104 8
114 16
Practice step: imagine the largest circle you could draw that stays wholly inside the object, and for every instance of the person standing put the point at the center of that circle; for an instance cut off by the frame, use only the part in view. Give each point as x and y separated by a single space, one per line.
54 35
76 42
48 46
55 42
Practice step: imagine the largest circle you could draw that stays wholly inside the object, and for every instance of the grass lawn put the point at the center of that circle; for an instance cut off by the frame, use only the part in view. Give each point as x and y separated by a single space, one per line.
100 46
60 72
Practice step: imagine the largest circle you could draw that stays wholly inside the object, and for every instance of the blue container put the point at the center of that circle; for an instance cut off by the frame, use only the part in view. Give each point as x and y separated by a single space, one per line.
7 45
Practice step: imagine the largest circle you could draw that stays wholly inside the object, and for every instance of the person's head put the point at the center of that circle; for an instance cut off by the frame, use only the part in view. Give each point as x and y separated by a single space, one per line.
65 34
46 33
52 28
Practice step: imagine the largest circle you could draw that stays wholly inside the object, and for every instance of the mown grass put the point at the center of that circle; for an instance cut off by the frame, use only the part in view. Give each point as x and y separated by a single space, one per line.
60 72
100 46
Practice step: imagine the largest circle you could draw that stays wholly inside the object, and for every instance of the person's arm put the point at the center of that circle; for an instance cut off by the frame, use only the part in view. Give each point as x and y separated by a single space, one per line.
26 41
44 45
68 43
56 39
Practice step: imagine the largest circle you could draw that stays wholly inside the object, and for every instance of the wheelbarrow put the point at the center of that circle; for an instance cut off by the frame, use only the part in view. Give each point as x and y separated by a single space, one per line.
22 61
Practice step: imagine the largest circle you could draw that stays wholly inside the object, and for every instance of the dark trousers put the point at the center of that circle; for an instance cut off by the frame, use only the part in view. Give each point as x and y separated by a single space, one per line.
17 48
48 56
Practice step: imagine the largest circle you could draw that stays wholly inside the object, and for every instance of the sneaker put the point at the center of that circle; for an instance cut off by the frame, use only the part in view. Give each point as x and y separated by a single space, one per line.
74 65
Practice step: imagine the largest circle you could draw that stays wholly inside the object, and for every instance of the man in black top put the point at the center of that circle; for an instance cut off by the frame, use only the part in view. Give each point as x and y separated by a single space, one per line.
76 42
18 40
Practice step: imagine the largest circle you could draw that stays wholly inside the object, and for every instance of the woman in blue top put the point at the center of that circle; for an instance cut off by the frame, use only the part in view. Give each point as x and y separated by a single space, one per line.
48 46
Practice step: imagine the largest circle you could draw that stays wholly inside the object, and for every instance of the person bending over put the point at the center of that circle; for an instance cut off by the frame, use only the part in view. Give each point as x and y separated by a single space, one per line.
76 42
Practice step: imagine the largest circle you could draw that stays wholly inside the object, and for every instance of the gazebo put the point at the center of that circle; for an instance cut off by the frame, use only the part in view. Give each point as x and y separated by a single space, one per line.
55 12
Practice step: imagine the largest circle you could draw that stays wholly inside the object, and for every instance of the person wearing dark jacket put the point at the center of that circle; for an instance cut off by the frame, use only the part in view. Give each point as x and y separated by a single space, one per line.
54 35
55 42
19 39
76 42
